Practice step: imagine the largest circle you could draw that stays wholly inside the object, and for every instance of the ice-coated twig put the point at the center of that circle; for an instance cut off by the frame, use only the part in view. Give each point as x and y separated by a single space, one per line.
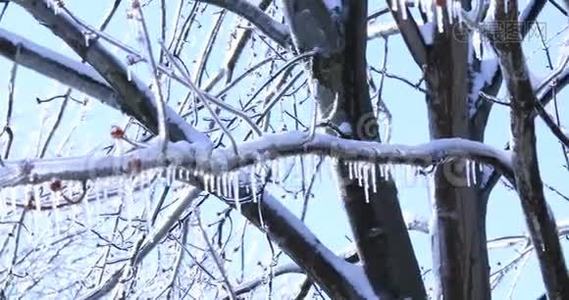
144 39
217 260
201 95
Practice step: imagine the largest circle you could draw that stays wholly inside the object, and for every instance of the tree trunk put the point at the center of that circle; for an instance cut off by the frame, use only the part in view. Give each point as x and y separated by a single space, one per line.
460 258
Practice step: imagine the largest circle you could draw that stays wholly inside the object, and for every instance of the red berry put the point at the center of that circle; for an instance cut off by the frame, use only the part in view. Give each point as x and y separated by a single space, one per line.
117 132
55 185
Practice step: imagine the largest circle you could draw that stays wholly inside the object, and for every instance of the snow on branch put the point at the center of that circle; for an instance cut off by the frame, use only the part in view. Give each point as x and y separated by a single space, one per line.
72 73
194 160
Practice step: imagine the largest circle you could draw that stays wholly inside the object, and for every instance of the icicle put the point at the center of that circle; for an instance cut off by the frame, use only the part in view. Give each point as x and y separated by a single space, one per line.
475 168
394 5
403 9
206 182
37 197
458 11
87 208
359 173
217 181
440 21
235 180
373 177
450 10
365 169
129 72
212 183
429 10
467 172
253 183
477 44
187 174
224 185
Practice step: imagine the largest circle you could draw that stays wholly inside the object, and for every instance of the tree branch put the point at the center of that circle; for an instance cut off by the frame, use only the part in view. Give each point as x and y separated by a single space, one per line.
202 162
273 29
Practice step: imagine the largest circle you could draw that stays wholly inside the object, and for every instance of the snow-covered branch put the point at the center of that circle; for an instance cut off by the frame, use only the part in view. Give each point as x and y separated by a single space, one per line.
45 61
379 30
197 160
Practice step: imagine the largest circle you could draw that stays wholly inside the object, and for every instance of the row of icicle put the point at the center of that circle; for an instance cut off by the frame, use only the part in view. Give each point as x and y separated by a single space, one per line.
226 184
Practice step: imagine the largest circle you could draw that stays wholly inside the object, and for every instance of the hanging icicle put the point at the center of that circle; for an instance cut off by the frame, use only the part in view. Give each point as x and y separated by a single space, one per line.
253 184
37 197
440 21
129 70
275 170
365 175
374 177
394 4
224 182
235 179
